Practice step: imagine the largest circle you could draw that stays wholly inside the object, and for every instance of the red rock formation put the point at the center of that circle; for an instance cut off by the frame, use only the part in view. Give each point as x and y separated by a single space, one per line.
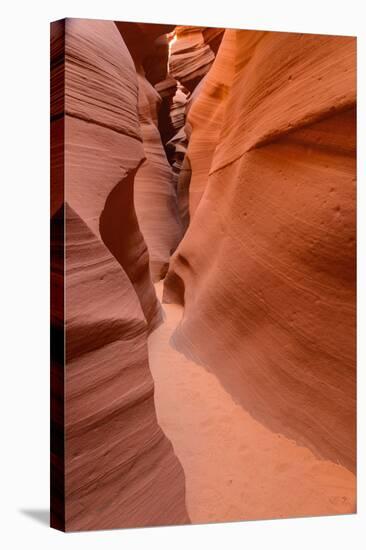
178 108
183 119
191 54
192 51
120 469
166 89
177 148
266 269
154 192
57 287
205 118
147 43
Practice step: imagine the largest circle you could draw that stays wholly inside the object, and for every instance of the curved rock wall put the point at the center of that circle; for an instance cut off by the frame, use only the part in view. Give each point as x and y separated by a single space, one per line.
155 193
191 54
155 189
266 270
205 118
260 173
120 468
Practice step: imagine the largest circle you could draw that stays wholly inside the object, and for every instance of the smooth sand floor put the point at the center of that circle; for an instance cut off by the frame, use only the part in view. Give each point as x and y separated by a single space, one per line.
235 468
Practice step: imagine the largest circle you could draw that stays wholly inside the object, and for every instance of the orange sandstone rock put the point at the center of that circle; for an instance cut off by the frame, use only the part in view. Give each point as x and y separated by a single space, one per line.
266 270
191 54
205 117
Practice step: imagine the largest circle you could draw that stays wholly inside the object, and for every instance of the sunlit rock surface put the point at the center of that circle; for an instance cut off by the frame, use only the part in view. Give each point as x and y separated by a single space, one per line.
266 270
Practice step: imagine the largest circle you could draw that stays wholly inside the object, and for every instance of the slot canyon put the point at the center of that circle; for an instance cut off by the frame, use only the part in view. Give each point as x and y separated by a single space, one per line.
206 180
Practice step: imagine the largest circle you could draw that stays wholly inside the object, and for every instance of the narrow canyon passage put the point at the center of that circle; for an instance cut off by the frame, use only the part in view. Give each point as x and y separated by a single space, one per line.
217 165
235 468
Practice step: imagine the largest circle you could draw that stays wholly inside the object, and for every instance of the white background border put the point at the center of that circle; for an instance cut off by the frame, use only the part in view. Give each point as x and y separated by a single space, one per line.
24 196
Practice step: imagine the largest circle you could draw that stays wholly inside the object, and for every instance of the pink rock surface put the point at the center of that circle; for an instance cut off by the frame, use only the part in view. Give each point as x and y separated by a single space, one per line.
177 149
191 54
266 270
252 155
120 469
155 194
154 191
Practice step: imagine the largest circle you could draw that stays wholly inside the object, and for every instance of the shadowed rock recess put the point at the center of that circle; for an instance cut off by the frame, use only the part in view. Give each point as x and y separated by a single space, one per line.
211 171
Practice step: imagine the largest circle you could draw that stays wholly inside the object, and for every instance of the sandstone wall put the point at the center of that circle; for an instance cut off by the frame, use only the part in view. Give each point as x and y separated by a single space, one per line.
154 190
266 270
120 469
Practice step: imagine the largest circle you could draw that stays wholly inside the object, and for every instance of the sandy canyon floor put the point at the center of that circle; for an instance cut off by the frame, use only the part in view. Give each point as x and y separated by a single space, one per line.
235 468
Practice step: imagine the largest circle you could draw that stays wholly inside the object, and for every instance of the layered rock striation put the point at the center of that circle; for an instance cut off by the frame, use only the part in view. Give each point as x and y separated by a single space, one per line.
119 468
155 188
266 269
192 55
192 52
243 142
